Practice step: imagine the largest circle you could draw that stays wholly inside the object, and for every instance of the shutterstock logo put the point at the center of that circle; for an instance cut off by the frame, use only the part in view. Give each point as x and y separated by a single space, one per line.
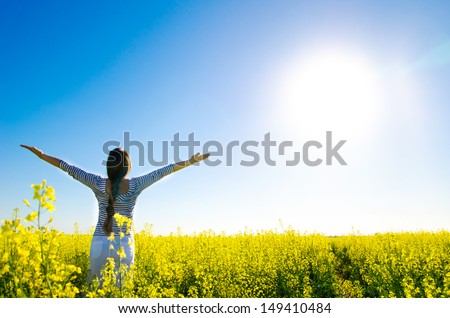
251 152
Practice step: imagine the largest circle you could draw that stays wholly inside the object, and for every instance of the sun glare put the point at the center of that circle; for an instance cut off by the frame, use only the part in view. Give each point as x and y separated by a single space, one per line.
331 90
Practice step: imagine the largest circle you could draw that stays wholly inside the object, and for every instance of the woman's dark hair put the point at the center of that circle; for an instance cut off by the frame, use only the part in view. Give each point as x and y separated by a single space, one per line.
117 167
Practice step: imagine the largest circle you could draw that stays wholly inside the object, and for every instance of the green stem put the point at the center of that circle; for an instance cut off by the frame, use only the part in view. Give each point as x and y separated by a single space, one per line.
120 265
44 257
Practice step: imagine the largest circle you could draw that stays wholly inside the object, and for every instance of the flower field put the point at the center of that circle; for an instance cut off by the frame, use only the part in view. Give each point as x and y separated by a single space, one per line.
38 261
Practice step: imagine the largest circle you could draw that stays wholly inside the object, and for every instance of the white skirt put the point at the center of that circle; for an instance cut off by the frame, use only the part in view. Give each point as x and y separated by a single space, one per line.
101 251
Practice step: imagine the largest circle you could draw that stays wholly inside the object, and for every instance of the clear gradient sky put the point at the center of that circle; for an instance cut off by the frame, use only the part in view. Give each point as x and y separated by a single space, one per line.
75 75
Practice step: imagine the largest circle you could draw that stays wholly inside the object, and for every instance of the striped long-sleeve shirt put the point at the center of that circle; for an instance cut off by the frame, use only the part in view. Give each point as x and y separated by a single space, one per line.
124 203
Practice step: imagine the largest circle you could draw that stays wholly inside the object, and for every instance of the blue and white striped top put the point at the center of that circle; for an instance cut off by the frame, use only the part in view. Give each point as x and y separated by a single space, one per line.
124 203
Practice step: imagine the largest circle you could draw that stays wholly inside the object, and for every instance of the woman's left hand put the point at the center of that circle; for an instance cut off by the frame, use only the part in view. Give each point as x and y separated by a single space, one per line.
198 157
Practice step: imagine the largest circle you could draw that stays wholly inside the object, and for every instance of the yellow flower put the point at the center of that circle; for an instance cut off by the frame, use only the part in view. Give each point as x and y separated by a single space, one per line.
50 193
48 206
32 216
26 202
4 270
121 252
111 237
122 220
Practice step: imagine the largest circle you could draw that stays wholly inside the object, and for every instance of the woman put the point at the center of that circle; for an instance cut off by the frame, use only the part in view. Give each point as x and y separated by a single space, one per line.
114 194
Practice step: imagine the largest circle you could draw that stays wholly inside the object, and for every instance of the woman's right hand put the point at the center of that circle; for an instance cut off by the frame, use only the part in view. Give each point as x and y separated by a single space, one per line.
34 150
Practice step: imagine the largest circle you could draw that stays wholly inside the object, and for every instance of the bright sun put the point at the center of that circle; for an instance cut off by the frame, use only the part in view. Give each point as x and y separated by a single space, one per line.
330 90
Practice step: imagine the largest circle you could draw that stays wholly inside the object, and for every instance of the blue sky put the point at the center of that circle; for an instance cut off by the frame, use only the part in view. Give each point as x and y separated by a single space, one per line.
375 73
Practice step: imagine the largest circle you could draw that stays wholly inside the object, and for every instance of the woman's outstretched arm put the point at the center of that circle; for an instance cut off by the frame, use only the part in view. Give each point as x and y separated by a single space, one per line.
148 179
51 160
194 159
89 179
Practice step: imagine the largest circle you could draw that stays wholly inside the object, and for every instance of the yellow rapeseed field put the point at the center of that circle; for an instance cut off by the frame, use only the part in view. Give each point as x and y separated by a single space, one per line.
39 261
